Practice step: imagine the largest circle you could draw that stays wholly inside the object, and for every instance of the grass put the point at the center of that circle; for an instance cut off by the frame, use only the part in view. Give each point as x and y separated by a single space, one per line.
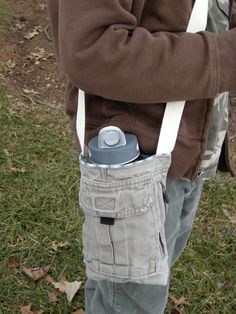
39 181
208 264
5 16
3 67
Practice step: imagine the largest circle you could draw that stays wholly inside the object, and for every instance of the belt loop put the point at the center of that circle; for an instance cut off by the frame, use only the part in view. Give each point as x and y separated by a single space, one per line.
103 174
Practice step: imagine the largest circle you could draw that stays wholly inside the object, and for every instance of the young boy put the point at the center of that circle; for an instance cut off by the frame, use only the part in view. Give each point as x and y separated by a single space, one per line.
131 57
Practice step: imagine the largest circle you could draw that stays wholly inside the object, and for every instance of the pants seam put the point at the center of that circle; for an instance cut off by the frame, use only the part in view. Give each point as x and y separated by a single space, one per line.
116 299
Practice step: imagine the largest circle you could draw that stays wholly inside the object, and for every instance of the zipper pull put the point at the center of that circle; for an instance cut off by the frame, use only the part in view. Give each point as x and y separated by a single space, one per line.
165 194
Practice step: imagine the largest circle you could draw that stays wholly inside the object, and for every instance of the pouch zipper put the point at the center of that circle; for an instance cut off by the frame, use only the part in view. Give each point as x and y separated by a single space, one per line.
165 194
162 244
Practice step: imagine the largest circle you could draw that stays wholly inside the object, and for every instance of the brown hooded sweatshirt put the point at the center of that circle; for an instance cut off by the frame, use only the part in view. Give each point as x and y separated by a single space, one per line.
132 56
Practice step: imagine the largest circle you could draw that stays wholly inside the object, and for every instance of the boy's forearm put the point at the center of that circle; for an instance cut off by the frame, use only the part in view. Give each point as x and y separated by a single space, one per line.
102 50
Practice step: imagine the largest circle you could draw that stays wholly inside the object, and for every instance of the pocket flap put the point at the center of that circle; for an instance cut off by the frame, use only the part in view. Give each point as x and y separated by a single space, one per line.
116 199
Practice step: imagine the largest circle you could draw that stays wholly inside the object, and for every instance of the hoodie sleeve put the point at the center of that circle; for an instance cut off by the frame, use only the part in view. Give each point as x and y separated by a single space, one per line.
103 51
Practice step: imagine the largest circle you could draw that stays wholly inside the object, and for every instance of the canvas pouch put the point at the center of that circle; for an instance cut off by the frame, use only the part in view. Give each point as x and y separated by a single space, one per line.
123 230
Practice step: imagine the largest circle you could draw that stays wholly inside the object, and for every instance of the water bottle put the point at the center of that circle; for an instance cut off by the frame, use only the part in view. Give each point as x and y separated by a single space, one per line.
113 147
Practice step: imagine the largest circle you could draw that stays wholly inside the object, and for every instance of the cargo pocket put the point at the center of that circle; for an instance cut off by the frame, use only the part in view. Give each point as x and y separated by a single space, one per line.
123 228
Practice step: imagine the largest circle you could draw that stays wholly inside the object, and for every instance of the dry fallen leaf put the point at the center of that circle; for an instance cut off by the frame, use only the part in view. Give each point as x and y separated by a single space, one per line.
47 278
180 301
36 273
18 26
17 170
26 309
42 6
232 218
69 288
6 152
39 54
78 312
228 284
60 245
2 191
33 33
14 263
29 91
17 240
177 310
11 64
53 296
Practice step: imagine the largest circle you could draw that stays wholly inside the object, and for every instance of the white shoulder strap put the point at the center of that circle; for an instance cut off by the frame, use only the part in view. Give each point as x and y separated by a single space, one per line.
174 110
80 120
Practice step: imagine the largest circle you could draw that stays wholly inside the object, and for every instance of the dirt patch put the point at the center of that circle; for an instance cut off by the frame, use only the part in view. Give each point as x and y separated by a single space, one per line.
29 70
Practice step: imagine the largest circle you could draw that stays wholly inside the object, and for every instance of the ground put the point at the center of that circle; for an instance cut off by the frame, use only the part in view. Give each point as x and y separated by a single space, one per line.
30 63
40 223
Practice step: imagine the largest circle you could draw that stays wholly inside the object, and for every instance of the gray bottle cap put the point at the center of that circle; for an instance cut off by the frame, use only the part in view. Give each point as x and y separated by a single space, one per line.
113 147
